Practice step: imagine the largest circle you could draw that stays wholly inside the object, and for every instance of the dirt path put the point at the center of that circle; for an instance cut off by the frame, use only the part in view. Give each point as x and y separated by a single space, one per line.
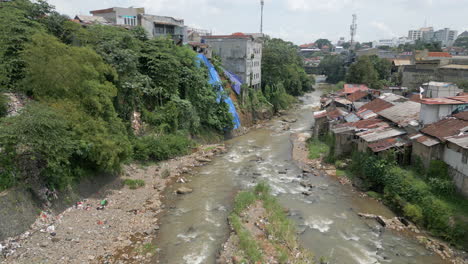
115 225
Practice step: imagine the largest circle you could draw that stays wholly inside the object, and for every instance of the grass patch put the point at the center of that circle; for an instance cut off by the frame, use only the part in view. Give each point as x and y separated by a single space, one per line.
280 230
147 248
317 149
340 173
134 184
374 195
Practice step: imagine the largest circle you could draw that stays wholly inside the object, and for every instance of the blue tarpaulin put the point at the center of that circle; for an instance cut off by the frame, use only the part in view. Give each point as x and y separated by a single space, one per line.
235 81
215 81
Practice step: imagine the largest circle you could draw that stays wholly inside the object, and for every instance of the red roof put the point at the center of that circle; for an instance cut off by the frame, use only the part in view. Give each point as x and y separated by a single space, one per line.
456 100
439 54
357 95
445 128
352 88
376 105
369 123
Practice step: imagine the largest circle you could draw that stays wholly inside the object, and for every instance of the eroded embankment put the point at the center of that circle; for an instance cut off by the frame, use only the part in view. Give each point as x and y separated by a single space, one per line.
116 224
261 232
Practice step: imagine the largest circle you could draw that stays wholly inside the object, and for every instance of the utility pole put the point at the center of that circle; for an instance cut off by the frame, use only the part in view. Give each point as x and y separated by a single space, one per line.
262 3
353 30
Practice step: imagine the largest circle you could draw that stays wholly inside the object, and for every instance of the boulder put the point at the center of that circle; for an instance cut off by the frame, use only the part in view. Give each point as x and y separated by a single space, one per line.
184 190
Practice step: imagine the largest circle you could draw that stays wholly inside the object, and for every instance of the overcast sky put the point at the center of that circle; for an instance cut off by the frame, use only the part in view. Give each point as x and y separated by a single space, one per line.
300 21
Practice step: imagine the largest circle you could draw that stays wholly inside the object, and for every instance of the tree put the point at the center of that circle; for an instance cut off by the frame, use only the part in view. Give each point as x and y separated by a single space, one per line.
363 72
382 66
323 42
281 63
461 42
333 67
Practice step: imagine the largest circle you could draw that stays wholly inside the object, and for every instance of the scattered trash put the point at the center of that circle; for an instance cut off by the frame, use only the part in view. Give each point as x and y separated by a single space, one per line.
104 202
100 208
50 229
53 234
100 222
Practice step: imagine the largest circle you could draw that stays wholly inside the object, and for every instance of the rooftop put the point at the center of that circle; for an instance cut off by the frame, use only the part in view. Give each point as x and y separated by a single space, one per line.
446 128
461 141
439 55
393 98
400 62
425 140
456 100
455 67
386 144
357 95
380 134
352 88
403 114
376 105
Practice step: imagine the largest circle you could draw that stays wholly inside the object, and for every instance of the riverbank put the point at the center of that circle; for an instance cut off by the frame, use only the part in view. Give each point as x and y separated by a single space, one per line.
116 224
404 227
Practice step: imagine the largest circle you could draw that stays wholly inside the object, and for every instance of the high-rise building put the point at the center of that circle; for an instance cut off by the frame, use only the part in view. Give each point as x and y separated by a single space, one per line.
446 36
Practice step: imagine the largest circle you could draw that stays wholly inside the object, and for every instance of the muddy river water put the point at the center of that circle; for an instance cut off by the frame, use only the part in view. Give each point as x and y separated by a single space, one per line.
195 226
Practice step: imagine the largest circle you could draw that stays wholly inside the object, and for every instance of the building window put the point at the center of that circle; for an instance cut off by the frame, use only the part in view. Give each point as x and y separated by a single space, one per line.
464 157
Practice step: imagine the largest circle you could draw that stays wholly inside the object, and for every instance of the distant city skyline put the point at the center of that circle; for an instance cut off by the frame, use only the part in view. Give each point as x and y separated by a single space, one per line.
299 21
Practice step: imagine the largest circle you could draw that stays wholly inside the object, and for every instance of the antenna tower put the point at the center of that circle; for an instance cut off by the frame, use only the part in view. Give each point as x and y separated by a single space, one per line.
353 30
262 3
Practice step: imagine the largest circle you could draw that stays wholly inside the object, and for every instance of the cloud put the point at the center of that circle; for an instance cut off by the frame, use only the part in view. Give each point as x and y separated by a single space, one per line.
310 5
384 29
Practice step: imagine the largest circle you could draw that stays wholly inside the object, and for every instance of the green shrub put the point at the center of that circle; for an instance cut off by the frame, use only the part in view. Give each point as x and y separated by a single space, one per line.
414 213
243 200
157 148
3 105
134 184
436 215
442 187
438 169
317 149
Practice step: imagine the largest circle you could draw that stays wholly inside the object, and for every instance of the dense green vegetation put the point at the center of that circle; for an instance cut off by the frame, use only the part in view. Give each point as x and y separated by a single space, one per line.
333 66
86 83
280 229
101 96
370 70
461 42
421 45
428 198
283 71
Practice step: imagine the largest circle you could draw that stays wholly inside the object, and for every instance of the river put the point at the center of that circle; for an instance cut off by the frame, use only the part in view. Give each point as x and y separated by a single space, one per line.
195 225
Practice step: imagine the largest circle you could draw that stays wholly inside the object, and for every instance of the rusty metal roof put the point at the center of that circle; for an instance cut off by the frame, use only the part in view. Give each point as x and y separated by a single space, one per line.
425 140
393 98
320 114
386 144
439 55
403 114
376 105
445 128
357 95
462 115
456 100
352 88
343 101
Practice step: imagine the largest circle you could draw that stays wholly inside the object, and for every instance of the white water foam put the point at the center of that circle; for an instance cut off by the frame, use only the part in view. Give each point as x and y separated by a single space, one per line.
197 258
320 224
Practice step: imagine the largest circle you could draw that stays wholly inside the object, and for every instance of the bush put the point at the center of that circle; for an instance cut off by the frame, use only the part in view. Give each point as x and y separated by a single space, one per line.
134 184
436 215
438 169
157 148
3 105
37 145
414 213
442 187
317 149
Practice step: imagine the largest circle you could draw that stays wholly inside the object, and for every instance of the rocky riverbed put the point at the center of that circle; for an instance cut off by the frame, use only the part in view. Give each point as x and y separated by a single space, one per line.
115 225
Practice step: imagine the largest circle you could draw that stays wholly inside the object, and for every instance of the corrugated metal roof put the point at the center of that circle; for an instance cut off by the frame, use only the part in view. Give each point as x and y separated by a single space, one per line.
462 115
343 101
376 105
461 141
393 98
352 88
403 114
445 128
379 134
320 114
439 55
352 118
357 96
387 144
456 100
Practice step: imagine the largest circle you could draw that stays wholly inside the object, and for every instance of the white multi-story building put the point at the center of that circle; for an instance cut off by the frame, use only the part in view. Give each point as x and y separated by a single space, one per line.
241 54
446 36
